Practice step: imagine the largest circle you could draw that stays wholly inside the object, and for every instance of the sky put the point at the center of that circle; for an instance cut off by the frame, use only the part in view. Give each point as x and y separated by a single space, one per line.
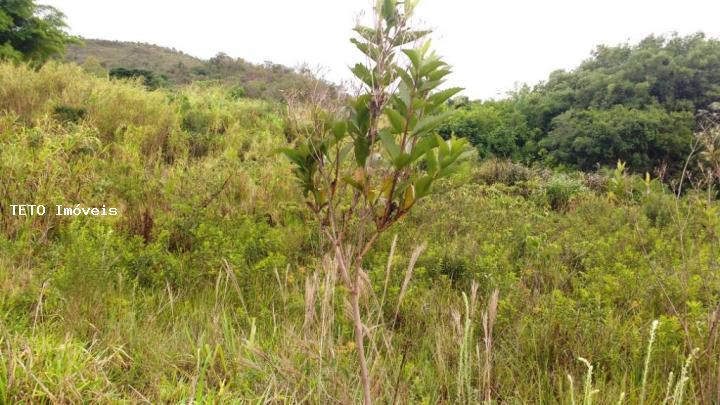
493 45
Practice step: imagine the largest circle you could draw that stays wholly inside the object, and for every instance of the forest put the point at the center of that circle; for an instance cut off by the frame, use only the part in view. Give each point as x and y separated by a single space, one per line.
282 239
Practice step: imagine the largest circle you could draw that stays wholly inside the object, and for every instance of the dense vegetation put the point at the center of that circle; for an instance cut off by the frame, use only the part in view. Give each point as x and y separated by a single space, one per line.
635 103
508 283
210 284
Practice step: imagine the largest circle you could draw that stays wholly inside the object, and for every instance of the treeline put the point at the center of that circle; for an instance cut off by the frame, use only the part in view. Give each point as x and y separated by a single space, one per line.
637 103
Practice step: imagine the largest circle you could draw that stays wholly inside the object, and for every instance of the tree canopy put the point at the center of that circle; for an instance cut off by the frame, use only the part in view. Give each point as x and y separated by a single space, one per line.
630 102
31 32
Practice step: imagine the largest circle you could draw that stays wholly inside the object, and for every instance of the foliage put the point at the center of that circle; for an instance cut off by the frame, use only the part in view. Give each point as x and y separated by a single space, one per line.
360 175
149 78
561 190
31 32
495 128
675 73
646 139
494 171
637 103
212 284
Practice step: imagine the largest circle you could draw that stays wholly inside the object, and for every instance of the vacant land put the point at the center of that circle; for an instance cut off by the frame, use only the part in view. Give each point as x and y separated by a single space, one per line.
211 284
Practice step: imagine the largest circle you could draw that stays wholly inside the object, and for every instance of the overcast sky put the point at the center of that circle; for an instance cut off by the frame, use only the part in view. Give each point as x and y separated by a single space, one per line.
492 44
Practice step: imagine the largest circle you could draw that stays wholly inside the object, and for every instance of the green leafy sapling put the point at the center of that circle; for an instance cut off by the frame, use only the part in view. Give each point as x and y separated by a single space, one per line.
363 167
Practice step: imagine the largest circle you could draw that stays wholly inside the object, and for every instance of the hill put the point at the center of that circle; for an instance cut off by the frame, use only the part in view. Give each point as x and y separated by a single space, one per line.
269 80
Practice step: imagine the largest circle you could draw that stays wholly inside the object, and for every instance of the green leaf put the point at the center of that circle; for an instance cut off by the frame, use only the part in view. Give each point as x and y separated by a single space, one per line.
362 150
430 122
404 76
430 85
369 34
430 66
386 187
363 73
353 183
425 47
422 186
409 36
404 93
402 160
396 120
409 198
442 146
388 141
444 95
438 74
422 147
339 130
388 11
344 151
365 48
431 160
294 155
360 119
414 56
410 6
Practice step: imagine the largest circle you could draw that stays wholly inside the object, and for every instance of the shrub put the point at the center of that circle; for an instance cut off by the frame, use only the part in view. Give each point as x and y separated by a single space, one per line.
66 113
502 171
237 92
149 78
561 190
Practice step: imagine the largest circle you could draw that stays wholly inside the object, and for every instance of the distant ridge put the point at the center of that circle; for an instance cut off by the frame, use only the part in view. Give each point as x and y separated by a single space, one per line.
268 80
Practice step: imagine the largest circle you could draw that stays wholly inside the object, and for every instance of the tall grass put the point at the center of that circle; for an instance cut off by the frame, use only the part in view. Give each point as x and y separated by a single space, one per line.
209 287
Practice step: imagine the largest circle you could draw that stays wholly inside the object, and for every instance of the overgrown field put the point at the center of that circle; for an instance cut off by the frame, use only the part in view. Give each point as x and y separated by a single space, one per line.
211 286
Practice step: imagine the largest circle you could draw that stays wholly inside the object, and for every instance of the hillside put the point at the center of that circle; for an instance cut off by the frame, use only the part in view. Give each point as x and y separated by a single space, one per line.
177 66
269 81
211 282
172 233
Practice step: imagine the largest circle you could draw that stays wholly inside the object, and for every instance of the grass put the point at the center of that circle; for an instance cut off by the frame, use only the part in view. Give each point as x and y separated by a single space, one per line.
210 286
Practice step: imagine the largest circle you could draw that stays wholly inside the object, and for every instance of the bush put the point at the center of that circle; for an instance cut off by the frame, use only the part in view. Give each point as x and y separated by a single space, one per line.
66 113
149 78
561 190
502 171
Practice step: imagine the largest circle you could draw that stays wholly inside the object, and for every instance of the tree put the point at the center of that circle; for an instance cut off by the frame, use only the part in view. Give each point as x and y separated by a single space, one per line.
630 102
363 167
31 32
645 139
150 79
495 128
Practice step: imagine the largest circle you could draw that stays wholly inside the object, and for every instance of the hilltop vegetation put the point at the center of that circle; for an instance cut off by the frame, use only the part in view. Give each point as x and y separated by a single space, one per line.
169 67
173 64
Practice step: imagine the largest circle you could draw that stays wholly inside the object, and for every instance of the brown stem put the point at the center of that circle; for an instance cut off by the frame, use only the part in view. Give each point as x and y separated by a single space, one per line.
359 341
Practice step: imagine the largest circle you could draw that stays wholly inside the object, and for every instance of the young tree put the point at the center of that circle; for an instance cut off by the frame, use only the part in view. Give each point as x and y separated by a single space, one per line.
31 32
364 167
